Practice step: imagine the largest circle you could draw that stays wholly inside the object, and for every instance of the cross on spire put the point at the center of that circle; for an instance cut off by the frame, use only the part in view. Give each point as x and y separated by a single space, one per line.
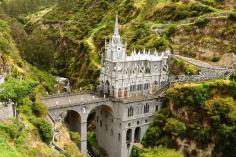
116 30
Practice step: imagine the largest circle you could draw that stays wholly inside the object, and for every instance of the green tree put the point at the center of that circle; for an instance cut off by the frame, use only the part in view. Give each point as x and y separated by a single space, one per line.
175 127
39 51
44 128
14 89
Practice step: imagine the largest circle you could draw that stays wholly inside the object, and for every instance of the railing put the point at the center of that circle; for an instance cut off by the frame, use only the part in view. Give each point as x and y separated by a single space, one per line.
62 151
53 106
65 95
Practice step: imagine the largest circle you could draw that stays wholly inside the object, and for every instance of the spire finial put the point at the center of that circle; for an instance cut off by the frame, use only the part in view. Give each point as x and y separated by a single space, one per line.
116 30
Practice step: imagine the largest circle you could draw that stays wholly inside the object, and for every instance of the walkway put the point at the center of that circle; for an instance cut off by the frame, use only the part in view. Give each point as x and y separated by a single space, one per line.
76 99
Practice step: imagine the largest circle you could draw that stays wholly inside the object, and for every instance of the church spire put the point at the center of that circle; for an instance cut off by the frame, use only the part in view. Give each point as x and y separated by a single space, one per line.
116 30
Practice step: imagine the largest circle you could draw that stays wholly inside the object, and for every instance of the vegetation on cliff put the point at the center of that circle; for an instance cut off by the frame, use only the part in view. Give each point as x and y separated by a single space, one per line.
23 85
198 117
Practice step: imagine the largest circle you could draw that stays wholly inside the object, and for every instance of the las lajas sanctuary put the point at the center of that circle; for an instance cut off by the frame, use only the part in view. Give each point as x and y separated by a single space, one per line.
124 111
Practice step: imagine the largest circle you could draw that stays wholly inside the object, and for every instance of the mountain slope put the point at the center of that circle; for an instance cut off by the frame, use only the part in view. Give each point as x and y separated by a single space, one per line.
78 29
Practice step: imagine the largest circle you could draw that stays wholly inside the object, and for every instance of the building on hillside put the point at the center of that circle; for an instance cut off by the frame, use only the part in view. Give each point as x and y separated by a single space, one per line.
140 73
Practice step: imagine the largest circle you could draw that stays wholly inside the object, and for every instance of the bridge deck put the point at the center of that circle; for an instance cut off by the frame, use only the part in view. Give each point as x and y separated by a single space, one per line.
71 100
199 63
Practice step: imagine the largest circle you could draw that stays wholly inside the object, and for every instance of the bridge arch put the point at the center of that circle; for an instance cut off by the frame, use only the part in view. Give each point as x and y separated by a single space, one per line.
72 120
137 135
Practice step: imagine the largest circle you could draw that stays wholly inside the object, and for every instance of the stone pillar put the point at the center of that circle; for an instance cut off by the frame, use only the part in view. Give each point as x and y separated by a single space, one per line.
83 138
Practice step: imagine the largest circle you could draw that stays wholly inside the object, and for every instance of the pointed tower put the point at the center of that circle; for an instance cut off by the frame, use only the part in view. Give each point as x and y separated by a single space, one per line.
116 36
116 30
116 50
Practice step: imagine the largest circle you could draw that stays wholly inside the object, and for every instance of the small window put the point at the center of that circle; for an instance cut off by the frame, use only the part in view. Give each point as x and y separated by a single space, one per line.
137 122
146 108
119 137
100 123
129 124
112 120
146 120
111 132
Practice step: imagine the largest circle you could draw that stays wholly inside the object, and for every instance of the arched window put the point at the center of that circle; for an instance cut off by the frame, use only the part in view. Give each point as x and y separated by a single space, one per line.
132 88
113 91
130 111
146 86
119 137
129 136
137 134
146 108
126 92
107 90
147 71
119 92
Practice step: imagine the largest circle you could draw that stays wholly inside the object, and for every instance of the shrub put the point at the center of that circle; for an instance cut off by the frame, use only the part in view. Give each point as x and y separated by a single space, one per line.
75 137
40 109
11 129
174 127
44 128
232 17
172 29
215 58
233 77
25 106
181 14
201 134
25 109
161 44
201 22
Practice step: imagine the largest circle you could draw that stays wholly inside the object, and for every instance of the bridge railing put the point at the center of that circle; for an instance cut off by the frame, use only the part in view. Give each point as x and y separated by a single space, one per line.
65 94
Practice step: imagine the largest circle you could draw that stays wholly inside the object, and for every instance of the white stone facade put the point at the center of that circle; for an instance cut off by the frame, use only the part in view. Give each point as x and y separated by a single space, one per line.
140 73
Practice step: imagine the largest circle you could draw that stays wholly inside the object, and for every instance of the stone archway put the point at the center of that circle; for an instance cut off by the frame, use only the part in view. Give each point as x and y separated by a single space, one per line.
137 135
72 120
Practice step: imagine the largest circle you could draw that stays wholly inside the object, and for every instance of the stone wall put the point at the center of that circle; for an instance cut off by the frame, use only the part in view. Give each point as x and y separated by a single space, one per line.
6 112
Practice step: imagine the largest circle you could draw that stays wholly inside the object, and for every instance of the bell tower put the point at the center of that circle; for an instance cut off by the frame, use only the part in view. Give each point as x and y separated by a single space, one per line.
115 49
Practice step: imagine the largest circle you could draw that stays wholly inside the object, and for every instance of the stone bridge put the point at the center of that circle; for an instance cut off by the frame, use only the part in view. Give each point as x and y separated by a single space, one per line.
83 104
119 122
